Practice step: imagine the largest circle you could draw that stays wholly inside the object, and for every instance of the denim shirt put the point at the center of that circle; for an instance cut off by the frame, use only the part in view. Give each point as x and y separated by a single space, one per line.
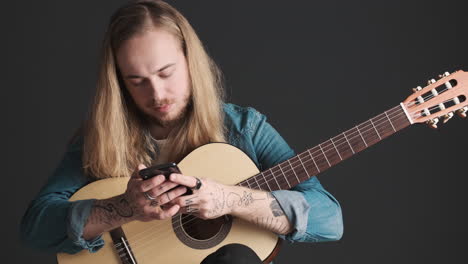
54 224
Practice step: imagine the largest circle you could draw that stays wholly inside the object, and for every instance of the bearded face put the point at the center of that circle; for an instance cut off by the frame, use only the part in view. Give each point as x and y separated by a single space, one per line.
155 73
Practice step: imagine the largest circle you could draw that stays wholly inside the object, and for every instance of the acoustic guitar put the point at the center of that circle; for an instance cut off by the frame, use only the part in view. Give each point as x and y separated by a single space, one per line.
187 239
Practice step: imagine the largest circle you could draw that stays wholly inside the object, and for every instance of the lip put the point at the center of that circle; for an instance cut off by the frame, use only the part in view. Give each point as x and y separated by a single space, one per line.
163 108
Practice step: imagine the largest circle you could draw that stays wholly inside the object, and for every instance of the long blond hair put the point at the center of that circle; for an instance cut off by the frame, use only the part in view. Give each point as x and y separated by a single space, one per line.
116 135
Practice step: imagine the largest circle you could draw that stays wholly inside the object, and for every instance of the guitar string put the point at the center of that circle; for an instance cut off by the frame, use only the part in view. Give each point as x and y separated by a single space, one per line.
292 167
429 97
335 145
391 111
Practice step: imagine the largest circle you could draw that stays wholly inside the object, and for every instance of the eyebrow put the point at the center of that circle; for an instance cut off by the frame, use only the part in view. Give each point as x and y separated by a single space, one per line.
133 76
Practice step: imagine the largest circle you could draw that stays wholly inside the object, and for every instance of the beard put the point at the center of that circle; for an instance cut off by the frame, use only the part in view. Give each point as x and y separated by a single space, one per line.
173 121
169 123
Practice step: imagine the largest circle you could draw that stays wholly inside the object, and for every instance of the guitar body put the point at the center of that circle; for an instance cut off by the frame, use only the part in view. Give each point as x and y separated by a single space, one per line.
160 241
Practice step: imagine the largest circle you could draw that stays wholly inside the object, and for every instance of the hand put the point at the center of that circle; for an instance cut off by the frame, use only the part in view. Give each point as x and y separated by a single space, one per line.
208 202
146 209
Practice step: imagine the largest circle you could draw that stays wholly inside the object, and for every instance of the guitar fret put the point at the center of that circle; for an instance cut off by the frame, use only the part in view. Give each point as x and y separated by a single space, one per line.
351 147
284 175
269 188
128 250
361 136
274 177
247 181
299 156
298 181
255 178
313 160
375 129
324 155
336 148
390 121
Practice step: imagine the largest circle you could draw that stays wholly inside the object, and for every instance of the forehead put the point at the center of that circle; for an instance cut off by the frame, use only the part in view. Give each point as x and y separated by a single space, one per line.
148 51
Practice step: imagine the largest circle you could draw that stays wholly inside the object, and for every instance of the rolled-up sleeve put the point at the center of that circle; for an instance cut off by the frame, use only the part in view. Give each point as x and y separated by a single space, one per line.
314 212
51 222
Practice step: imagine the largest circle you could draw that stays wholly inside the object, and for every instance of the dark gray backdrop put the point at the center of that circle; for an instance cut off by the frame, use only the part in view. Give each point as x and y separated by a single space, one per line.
315 68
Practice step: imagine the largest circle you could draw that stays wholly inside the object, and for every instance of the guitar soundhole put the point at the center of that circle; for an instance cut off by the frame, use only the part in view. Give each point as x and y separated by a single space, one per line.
201 234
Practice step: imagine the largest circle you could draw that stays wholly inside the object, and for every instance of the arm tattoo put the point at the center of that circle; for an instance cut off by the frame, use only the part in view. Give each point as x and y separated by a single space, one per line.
245 200
274 206
110 210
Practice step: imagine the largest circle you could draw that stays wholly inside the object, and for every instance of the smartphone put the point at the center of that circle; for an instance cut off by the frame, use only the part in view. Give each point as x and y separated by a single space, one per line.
164 169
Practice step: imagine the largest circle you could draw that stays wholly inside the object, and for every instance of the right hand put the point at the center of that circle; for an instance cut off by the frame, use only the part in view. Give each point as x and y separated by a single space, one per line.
157 187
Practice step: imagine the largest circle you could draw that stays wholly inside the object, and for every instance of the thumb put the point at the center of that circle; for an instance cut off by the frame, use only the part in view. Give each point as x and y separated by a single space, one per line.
136 173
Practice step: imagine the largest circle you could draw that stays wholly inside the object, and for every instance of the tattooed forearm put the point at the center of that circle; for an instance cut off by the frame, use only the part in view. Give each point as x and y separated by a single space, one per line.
272 224
123 208
111 210
108 214
261 208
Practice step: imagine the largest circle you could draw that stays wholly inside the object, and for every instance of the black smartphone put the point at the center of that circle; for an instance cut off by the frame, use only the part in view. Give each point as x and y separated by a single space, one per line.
164 169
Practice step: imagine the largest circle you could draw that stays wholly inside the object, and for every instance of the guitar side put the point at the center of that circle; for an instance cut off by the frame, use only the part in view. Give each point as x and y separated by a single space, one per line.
156 241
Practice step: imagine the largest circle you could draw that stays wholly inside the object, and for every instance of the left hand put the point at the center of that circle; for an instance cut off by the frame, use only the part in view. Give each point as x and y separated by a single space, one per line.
206 203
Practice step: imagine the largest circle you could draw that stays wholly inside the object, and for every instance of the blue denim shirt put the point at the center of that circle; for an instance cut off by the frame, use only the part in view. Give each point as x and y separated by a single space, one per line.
54 224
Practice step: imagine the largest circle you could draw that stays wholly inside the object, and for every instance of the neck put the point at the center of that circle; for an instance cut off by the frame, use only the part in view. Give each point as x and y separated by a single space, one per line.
159 132
329 153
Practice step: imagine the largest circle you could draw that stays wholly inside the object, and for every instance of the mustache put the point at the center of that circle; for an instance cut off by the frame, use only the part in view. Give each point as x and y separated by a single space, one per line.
159 103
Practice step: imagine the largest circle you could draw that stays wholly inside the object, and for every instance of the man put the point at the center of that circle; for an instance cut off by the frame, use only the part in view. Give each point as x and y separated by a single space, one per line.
158 97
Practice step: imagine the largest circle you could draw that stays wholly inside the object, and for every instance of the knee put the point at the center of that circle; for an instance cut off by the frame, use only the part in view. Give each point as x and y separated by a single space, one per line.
232 254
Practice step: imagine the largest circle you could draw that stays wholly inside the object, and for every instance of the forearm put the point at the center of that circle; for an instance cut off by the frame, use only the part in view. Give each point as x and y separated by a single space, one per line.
258 207
108 214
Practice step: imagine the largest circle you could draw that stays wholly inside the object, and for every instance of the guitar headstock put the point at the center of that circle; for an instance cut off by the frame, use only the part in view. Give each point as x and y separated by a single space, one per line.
440 99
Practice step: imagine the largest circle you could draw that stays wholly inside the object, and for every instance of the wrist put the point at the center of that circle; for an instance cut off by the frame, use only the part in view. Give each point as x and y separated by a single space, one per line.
235 197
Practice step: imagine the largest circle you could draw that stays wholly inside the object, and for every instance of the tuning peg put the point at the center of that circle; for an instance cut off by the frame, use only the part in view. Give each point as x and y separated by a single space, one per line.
447 117
433 123
431 81
462 112
419 88
444 75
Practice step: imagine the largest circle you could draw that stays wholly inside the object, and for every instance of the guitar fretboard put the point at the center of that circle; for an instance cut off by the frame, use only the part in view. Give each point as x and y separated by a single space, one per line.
329 153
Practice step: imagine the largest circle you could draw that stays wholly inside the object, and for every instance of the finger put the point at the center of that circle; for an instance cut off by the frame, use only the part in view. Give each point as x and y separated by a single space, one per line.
169 196
193 210
188 181
169 212
149 184
186 200
135 173
162 188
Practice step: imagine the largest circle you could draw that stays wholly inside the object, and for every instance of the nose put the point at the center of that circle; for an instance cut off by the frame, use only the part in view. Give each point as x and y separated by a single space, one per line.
157 90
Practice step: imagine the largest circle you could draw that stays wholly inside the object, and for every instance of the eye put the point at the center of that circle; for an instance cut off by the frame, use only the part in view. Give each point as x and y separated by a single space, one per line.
166 73
137 83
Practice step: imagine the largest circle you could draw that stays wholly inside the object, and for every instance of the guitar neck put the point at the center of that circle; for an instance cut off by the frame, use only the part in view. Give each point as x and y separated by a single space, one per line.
331 152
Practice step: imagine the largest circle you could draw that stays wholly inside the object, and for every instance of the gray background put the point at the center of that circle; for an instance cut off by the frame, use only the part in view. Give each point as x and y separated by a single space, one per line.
315 68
